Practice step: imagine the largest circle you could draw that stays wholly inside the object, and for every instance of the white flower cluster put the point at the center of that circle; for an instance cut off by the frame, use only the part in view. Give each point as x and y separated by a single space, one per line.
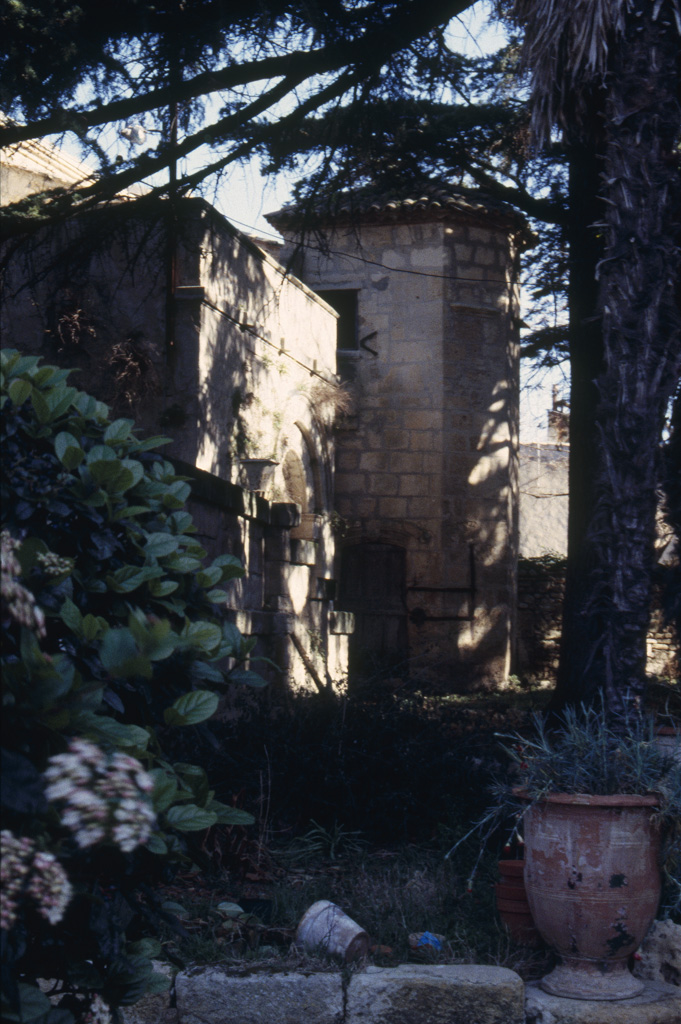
16 854
98 1013
104 797
54 565
19 601
47 884
49 887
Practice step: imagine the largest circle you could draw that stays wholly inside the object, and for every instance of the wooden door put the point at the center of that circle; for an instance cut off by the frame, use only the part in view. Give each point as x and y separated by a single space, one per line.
372 586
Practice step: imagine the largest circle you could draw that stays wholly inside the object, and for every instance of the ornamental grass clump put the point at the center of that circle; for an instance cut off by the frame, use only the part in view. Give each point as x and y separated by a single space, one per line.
594 753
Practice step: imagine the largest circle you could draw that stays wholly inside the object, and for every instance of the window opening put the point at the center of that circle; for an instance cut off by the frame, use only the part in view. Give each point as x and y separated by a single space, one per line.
344 301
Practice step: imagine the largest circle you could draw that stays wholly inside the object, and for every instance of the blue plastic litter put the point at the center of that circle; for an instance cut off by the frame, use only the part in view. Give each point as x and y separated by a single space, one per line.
428 939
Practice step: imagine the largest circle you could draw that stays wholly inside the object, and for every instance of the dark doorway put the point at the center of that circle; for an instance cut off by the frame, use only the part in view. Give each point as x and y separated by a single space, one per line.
372 585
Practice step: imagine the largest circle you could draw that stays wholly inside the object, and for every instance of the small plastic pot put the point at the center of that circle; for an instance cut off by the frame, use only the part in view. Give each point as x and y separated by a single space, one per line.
325 926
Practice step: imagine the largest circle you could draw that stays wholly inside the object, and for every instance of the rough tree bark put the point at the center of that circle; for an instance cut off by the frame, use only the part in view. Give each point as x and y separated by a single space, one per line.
604 639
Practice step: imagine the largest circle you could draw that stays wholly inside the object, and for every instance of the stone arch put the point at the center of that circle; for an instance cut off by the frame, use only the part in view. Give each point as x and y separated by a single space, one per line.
319 503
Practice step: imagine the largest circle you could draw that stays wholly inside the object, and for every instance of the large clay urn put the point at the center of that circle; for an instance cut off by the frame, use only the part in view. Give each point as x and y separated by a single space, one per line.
593 884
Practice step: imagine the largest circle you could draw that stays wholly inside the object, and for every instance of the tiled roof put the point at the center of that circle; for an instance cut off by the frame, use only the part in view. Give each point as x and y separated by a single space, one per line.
432 202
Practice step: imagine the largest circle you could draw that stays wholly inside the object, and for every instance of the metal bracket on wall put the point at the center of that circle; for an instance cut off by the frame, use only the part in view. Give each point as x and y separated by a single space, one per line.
363 343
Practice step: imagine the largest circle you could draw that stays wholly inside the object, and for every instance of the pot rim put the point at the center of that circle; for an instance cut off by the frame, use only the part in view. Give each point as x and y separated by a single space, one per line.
593 800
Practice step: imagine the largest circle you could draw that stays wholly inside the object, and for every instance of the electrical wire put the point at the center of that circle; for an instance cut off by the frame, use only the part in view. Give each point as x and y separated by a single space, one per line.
363 259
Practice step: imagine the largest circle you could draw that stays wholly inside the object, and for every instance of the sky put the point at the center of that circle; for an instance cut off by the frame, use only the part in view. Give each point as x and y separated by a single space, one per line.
244 196
247 195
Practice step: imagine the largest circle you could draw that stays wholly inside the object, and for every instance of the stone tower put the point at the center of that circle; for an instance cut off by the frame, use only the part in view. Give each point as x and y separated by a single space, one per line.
426 468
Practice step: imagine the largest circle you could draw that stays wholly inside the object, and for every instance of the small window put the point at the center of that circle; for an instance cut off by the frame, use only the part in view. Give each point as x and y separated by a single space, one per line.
344 301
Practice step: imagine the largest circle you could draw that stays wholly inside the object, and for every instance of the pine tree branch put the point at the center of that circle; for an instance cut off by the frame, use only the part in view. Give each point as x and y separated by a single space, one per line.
545 210
65 205
369 51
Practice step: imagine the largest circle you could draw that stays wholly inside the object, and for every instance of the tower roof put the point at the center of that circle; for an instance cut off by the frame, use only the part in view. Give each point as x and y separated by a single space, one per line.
369 205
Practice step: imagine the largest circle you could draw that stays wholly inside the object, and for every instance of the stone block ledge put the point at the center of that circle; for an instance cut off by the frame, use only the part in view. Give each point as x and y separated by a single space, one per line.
409 994
659 1003
234 499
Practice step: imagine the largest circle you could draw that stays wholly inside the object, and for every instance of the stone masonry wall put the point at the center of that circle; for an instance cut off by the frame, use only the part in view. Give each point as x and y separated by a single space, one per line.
543 499
427 462
541 587
480 399
543 547
237 367
261 534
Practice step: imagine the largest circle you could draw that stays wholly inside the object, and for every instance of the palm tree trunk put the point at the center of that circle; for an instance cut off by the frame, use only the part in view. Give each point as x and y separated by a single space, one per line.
641 325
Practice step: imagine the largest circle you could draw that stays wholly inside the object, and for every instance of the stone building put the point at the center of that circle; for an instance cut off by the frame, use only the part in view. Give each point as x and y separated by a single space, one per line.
186 325
411 463
426 460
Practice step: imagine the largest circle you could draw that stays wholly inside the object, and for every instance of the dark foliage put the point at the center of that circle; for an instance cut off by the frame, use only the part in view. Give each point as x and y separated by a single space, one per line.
394 768
152 68
112 635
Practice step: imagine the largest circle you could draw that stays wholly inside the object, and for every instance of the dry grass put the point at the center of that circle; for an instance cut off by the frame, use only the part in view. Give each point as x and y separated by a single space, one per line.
390 893
392 786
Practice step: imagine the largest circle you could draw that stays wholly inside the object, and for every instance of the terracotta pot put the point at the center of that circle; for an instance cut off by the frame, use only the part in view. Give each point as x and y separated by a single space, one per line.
593 885
512 905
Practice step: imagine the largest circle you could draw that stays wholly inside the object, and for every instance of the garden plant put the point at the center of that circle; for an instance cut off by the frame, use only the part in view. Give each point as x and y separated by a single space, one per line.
604 812
590 751
113 642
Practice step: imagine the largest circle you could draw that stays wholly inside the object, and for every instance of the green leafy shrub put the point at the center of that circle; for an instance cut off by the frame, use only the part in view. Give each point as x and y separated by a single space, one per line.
113 639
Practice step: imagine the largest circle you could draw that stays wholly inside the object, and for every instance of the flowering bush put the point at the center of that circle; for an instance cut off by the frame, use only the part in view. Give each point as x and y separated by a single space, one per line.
16 854
104 797
16 599
113 639
27 872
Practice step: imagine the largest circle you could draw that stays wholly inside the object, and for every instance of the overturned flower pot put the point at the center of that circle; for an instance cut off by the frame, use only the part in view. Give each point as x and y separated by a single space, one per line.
325 926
